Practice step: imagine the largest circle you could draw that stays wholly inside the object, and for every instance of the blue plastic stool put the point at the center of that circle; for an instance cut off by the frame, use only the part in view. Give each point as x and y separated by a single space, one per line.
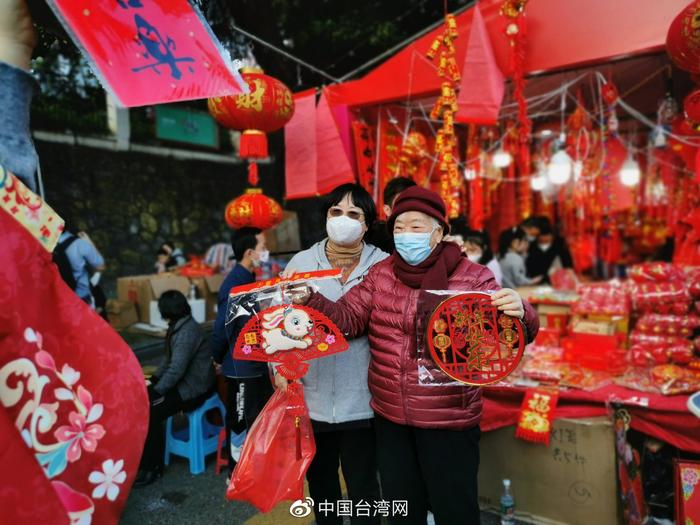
694 404
199 439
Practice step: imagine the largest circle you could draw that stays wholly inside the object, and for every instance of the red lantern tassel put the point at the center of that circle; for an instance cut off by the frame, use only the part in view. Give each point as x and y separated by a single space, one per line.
253 177
253 144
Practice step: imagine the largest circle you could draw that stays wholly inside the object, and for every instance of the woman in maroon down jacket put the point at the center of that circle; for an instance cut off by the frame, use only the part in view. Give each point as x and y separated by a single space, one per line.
427 436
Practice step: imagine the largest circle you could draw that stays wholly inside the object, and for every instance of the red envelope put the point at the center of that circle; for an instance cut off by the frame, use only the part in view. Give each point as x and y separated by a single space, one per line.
150 51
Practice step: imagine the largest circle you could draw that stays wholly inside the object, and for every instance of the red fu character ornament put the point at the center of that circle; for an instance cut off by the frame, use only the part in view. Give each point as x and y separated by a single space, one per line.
472 342
280 445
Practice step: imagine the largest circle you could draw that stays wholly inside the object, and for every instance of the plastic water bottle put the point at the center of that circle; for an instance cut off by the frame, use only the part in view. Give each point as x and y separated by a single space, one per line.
193 293
507 505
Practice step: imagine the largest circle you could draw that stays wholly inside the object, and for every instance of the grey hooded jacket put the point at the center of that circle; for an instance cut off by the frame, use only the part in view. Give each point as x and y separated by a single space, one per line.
335 387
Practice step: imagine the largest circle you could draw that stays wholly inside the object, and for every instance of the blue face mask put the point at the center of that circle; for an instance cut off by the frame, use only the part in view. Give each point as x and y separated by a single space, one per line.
414 248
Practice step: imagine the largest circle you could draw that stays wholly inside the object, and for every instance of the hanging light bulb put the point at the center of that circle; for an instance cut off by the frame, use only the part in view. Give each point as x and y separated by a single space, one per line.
560 167
630 172
469 173
538 182
501 158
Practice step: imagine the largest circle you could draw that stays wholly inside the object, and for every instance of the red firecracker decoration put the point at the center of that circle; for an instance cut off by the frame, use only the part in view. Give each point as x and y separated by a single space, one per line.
267 108
445 108
253 209
683 38
516 32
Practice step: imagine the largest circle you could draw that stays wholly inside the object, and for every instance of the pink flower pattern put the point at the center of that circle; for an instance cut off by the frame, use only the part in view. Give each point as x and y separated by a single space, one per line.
81 435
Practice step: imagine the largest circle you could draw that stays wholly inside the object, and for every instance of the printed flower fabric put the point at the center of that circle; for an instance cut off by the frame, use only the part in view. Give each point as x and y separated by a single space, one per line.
74 408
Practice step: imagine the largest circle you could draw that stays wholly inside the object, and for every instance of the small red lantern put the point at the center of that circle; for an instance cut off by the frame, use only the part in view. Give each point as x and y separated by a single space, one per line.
683 38
267 108
253 209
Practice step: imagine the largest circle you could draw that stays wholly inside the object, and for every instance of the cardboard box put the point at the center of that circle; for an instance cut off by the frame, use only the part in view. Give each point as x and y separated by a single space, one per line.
208 289
198 313
285 236
583 326
142 289
573 481
121 314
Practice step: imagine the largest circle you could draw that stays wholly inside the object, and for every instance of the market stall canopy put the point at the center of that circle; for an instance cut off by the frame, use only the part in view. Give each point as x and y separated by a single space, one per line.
560 35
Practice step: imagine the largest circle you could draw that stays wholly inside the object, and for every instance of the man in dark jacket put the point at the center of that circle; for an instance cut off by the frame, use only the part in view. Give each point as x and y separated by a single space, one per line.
547 253
248 382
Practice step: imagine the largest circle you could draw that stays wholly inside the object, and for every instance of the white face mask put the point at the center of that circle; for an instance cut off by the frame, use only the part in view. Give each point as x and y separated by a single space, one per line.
545 247
343 230
475 258
263 257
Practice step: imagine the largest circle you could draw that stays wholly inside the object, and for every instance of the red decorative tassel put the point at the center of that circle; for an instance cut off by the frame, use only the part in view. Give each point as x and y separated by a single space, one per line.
253 177
253 145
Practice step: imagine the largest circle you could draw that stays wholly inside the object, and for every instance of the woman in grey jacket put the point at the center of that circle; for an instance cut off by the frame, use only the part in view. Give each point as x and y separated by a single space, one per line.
335 387
183 381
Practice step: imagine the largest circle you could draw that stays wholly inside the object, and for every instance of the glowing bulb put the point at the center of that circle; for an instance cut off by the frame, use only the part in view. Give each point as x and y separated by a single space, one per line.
559 169
501 159
469 173
630 172
546 133
538 182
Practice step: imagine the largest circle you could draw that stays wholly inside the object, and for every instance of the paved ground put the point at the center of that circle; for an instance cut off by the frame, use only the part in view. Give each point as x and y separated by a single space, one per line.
181 498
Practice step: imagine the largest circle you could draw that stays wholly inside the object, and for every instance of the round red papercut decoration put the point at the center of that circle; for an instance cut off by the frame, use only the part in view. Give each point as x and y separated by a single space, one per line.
472 342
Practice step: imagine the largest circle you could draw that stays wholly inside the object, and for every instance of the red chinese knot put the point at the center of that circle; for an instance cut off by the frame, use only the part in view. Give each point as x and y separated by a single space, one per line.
472 342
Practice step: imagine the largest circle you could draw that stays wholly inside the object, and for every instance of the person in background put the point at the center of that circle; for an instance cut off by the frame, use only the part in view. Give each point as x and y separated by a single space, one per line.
220 257
184 380
169 256
336 387
248 384
547 254
532 226
77 257
512 245
478 249
378 235
427 437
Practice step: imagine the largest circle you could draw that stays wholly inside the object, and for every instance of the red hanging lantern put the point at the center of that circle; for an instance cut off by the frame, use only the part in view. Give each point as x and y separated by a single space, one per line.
267 108
683 38
253 209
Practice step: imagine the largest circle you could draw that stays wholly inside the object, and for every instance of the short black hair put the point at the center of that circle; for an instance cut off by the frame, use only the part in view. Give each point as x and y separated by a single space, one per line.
537 221
360 198
396 186
483 241
244 239
546 229
508 236
173 306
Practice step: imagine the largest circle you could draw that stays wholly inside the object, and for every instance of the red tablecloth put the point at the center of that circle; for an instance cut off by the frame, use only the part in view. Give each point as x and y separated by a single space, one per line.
664 417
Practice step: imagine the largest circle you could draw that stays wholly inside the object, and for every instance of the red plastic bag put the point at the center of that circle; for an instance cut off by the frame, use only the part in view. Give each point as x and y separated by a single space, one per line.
656 272
277 452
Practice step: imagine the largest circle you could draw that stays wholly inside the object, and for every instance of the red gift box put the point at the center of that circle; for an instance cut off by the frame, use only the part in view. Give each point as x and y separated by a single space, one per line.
597 352
656 272
548 337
